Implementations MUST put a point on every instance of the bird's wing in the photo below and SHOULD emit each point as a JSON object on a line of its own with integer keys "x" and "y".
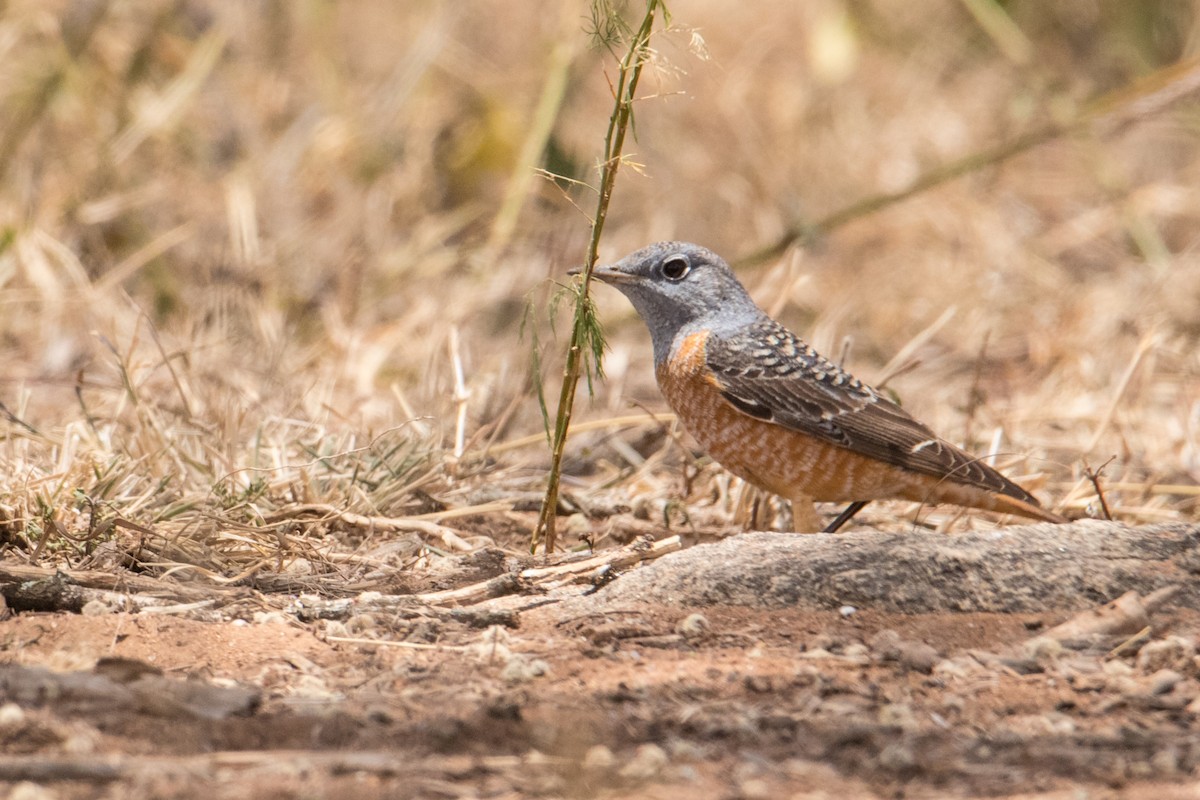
{"x": 769, "y": 373}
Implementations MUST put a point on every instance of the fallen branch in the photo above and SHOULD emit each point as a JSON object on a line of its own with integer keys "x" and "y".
{"x": 451, "y": 538}
{"x": 27, "y": 588}
{"x": 571, "y": 570}
{"x": 1128, "y": 614}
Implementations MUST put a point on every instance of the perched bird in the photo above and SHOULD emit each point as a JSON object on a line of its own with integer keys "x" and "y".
{"x": 774, "y": 412}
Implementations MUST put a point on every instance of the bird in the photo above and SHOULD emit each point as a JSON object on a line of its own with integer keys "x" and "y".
{"x": 773, "y": 411}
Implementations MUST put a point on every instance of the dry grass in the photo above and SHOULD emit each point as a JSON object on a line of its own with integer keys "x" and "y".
{"x": 236, "y": 240}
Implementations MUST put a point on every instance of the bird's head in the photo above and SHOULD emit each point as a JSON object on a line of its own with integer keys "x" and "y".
{"x": 680, "y": 288}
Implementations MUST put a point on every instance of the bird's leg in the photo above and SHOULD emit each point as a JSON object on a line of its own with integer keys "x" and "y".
{"x": 804, "y": 515}
{"x": 845, "y": 516}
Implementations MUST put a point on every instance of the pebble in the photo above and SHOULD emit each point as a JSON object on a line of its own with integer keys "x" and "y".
{"x": 1044, "y": 648}
{"x": 95, "y": 608}
{"x": 11, "y": 715}
{"x": 886, "y": 644}
{"x": 1172, "y": 652}
{"x": 898, "y": 757}
{"x": 856, "y": 650}
{"x": 25, "y": 790}
{"x": 899, "y": 715}
{"x": 1165, "y": 762}
{"x": 647, "y": 762}
{"x": 693, "y": 626}
{"x": 1164, "y": 681}
{"x": 599, "y": 758}
{"x": 755, "y": 789}
{"x": 918, "y": 656}
{"x": 521, "y": 669}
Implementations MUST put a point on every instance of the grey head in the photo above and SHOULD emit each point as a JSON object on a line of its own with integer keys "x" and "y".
{"x": 680, "y": 288}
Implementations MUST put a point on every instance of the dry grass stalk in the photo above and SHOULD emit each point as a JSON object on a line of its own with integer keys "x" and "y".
{"x": 586, "y": 339}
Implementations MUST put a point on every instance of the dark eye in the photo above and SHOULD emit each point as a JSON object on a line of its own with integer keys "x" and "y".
{"x": 676, "y": 268}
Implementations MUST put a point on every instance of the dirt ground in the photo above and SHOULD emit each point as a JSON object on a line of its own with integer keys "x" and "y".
{"x": 579, "y": 692}
{"x": 281, "y": 284}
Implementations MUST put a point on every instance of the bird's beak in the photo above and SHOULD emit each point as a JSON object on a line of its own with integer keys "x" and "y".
{"x": 610, "y": 274}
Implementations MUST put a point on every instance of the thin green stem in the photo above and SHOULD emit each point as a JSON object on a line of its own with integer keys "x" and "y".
{"x": 584, "y": 329}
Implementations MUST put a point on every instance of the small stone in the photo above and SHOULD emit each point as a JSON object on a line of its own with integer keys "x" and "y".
{"x": 1123, "y": 684}
{"x": 298, "y": 567}
{"x": 847, "y": 611}
{"x": 897, "y": 757}
{"x": 1165, "y": 762}
{"x": 755, "y": 789}
{"x": 856, "y": 650}
{"x": 956, "y": 669}
{"x": 521, "y": 669}
{"x": 26, "y": 790}
{"x": 759, "y": 684}
{"x": 599, "y": 758}
{"x": 1088, "y": 682}
{"x": 80, "y": 744}
{"x": 95, "y": 608}
{"x": 647, "y": 762}
{"x": 918, "y": 656}
{"x": 822, "y": 641}
{"x": 11, "y": 716}
{"x": 1044, "y": 648}
{"x": 1164, "y": 681}
{"x": 806, "y": 675}
{"x": 693, "y": 626}
{"x": 1173, "y": 652}
{"x": 576, "y": 528}
{"x": 899, "y": 715}
{"x": 886, "y": 644}
{"x": 1117, "y": 669}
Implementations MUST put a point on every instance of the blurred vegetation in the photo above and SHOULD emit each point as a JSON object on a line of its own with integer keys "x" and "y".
{"x": 235, "y": 233}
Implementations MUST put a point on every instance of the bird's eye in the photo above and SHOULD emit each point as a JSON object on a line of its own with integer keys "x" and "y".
{"x": 676, "y": 268}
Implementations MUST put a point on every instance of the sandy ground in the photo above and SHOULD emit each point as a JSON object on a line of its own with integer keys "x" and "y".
{"x": 584, "y": 693}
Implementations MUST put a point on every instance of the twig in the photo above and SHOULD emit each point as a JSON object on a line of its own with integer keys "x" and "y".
{"x": 15, "y": 420}
{"x": 975, "y": 395}
{"x": 1147, "y": 344}
{"x": 585, "y": 334}
{"x": 461, "y": 395}
{"x": 1094, "y": 477}
{"x": 1129, "y": 613}
{"x": 571, "y": 569}
{"x": 899, "y": 363}
{"x": 629, "y": 420}
{"x": 450, "y": 537}
{"x": 1146, "y": 96}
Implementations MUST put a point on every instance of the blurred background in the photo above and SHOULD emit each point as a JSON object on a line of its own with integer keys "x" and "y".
{"x": 277, "y": 251}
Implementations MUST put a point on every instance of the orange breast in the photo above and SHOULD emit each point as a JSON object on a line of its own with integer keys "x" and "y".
{"x": 781, "y": 460}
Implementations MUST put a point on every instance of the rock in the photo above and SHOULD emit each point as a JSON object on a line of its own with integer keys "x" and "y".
{"x": 1029, "y": 568}
{"x": 1173, "y": 652}
{"x": 1164, "y": 681}
{"x": 599, "y": 758}
{"x": 693, "y": 627}
{"x": 646, "y": 763}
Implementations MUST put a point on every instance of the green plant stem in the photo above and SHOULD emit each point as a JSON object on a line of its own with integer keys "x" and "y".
{"x": 614, "y": 141}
